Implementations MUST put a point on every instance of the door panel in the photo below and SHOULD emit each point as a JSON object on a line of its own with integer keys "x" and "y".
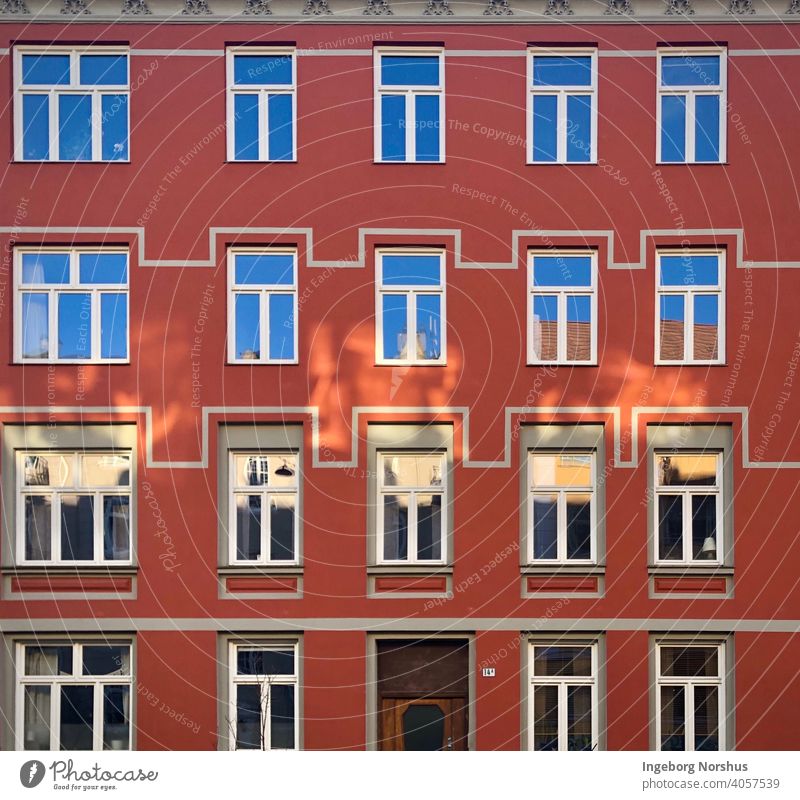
{"x": 430, "y": 723}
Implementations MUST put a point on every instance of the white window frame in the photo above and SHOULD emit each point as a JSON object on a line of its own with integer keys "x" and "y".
{"x": 263, "y": 291}
{"x": 688, "y": 293}
{"x": 76, "y": 488}
{"x": 690, "y": 93}
{"x": 561, "y": 92}
{"x": 562, "y": 292}
{"x": 238, "y": 680}
{"x": 74, "y": 87}
{"x": 689, "y": 684}
{"x": 410, "y": 92}
{"x": 265, "y": 492}
{"x": 53, "y": 290}
{"x": 563, "y": 682}
{"x": 411, "y": 292}
{"x": 55, "y": 682}
{"x": 412, "y": 493}
{"x": 687, "y": 492}
{"x": 561, "y": 513}
{"x": 263, "y": 91}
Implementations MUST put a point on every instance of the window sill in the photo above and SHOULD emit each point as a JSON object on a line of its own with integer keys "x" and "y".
{"x": 410, "y": 569}
{"x": 69, "y": 569}
{"x": 562, "y": 580}
{"x": 563, "y": 569}
{"x": 260, "y": 582}
{"x": 711, "y": 582}
{"x": 260, "y": 569}
{"x": 59, "y": 581}
{"x": 690, "y": 570}
{"x": 409, "y": 580}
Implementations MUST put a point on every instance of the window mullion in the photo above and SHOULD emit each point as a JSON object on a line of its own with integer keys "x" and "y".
{"x": 561, "y": 328}
{"x": 411, "y": 555}
{"x": 55, "y": 526}
{"x": 411, "y": 120}
{"x": 97, "y": 126}
{"x": 96, "y": 326}
{"x": 263, "y": 313}
{"x": 263, "y": 117}
{"x": 689, "y": 715}
{"x": 561, "y": 127}
{"x": 411, "y": 327}
{"x": 52, "y": 322}
{"x": 52, "y": 120}
{"x": 691, "y": 127}
{"x": 266, "y": 526}
{"x": 687, "y": 526}
{"x": 561, "y": 529}
{"x": 688, "y": 339}
{"x": 99, "y": 550}
{"x": 562, "y": 715}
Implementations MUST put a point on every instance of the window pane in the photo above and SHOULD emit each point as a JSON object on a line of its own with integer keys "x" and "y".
{"x": 545, "y": 526}
{"x": 706, "y": 718}
{"x": 281, "y": 717}
{"x": 77, "y": 527}
{"x": 264, "y": 661}
{"x": 695, "y": 469}
{"x": 248, "y": 326}
{"x": 113, "y": 325}
{"x": 579, "y": 526}
{"x": 562, "y": 661}
{"x": 281, "y": 326}
{"x": 704, "y": 526}
{"x": 282, "y": 520}
{"x": 281, "y": 136}
{"x": 263, "y": 470}
{"x": 429, "y": 527}
{"x": 395, "y": 527}
{"x": 106, "y": 469}
{"x": 262, "y": 69}
{"x": 706, "y": 327}
{"x": 673, "y": 128}
{"x": 248, "y": 527}
{"x": 35, "y": 127}
{"x": 690, "y": 662}
{"x": 429, "y": 326}
{"x": 75, "y": 127}
{"x": 103, "y": 268}
{"x": 37, "y": 718}
{"x": 116, "y": 528}
{"x": 706, "y": 110}
{"x": 264, "y": 269}
{"x": 410, "y": 70}
{"x": 689, "y": 269}
{"x": 673, "y": 718}
{"x": 411, "y": 270}
{"x": 45, "y": 268}
{"x": 579, "y": 127}
{"x": 393, "y": 127}
{"x": 35, "y": 325}
{"x": 114, "y": 145}
{"x": 248, "y": 718}
{"x": 395, "y": 326}
{"x": 106, "y": 659}
{"x": 579, "y": 328}
{"x": 426, "y": 115}
{"x": 562, "y": 70}
{"x": 545, "y": 717}
{"x": 74, "y": 325}
{"x": 690, "y": 70}
{"x": 51, "y": 660}
{"x": 37, "y": 528}
{"x": 545, "y": 328}
{"x": 670, "y": 527}
{"x": 672, "y": 325}
{"x": 245, "y": 127}
{"x": 50, "y": 470}
{"x": 562, "y": 271}
{"x": 116, "y": 717}
{"x": 104, "y": 70}
{"x": 579, "y": 718}
{"x": 545, "y": 127}
{"x": 77, "y": 717}
{"x": 45, "y": 70}
{"x": 412, "y": 471}
{"x": 562, "y": 470}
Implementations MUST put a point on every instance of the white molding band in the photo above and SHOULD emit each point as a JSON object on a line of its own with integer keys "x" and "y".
{"x": 402, "y": 412}
{"x": 452, "y": 233}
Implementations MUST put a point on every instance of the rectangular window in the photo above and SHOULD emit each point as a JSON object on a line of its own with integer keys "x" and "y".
{"x": 410, "y": 504}
{"x": 262, "y": 306}
{"x": 690, "y": 310}
{"x": 74, "y": 507}
{"x": 692, "y": 114}
{"x": 264, "y": 508}
{"x": 71, "y": 306}
{"x": 409, "y": 105}
{"x": 71, "y": 104}
{"x": 688, "y": 507}
{"x": 262, "y": 104}
{"x": 263, "y": 696}
{"x": 562, "y": 106}
{"x": 74, "y": 696}
{"x": 562, "y": 308}
{"x": 691, "y": 699}
{"x": 563, "y": 699}
{"x": 411, "y": 300}
{"x": 561, "y": 507}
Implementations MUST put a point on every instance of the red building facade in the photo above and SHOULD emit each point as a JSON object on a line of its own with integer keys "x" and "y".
{"x": 239, "y": 509}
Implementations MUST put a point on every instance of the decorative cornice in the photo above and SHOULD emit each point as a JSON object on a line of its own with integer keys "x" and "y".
{"x": 679, "y": 8}
{"x": 74, "y": 7}
{"x": 441, "y": 8}
{"x": 741, "y": 7}
{"x": 316, "y": 8}
{"x": 378, "y": 8}
{"x": 257, "y": 8}
{"x": 794, "y": 8}
{"x": 135, "y": 8}
{"x": 620, "y": 7}
{"x": 558, "y": 8}
{"x": 497, "y": 8}
{"x": 13, "y": 7}
{"x": 196, "y": 8}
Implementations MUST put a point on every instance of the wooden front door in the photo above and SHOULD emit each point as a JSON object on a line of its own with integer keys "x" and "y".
{"x": 428, "y": 723}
